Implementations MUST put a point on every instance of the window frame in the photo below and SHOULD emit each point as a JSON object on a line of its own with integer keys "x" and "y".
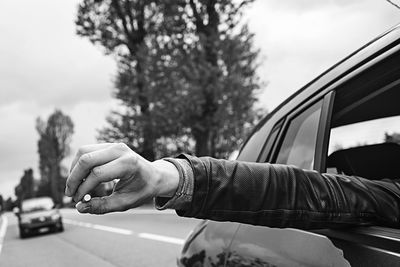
{"x": 383, "y": 240}
{"x": 323, "y": 133}
{"x": 286, "y": 124}
{"x": 265, "y": 155}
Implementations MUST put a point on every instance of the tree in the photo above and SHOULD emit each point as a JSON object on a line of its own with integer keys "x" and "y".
{"x": 186, "y": 73}
{"x": 125, "y": 29}
{"x": 53, "y": 147}
{"x": 221, "y": 72}
{"x": 2, "y": 206}
{"x": 9, "y": 204}
{"x": 26, "y": 187}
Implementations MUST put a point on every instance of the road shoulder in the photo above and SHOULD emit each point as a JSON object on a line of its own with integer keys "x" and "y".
{"x": 3, "y": 229}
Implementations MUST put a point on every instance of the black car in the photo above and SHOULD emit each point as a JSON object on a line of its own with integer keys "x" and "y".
{"x": 37, "y": 214}
{"x": 347, "y": 121}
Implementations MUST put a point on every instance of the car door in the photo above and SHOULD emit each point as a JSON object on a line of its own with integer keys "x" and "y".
{"x": 264, "y": 246}
{"x": 368, "y": 95}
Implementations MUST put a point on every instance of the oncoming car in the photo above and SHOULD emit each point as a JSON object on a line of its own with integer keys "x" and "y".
{"x": 38, "y": 213}
{"x": 346, "y": 121}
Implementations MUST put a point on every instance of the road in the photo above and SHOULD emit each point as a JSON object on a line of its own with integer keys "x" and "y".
{"x": 142, "y": 237}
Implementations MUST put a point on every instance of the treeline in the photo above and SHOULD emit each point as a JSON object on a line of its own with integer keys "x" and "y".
{"x": 53, "y": 146}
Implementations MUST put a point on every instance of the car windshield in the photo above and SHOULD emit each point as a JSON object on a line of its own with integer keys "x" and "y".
{"x": 39, "y": 204}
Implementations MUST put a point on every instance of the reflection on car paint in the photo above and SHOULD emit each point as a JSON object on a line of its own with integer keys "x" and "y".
{"x": 215, "y": 236}
{"x": 283, "y": 247}
{"x": 230, "y": 259}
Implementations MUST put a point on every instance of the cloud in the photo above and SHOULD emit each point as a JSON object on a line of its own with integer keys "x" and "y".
{"x": 301, "y": 39}
{"x": 43, "y": 59}
{"x": 305, "y": 6}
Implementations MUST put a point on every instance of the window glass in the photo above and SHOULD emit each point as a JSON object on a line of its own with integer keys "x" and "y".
{"x": 268, "y": 146}
{"x": 298, "y": 147}
{"x": 365, "y": 133}
{"x": 37, "y": 204}
{"x": 253, "y": 146}
{"x": 369, "y": 149}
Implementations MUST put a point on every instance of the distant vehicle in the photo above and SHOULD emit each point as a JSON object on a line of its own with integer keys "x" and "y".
{"x": 345, "y": 121}
{"x": 37, "y": 214}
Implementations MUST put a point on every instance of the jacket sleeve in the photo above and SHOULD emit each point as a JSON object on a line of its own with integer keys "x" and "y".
{"x": 285, "y": 196}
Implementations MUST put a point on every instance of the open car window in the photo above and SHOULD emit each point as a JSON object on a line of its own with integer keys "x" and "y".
{"x": 365, "y": 124}
{"x": 366, "y": 139}
{"x": 369, "y": 149}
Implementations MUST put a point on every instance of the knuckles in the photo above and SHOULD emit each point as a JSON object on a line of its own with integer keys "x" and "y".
{"x": 121, "y": 147}
{"x": 85, "y": 160}
{"x": 81, "y": 151}
{"x": 129, "y": 164}
{"x": 97, "y": 172}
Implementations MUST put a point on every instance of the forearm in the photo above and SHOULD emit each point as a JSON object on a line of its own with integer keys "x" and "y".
{"x": 283, "y": 196}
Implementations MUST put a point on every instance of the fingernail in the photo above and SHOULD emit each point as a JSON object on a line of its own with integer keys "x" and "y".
{"x": 82, "y": 207}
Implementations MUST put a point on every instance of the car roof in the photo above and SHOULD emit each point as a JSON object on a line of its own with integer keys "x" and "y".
{"x": 372, "y": 49}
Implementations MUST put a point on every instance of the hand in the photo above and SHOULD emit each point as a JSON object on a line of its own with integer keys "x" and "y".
{"x": 139, "y": 179}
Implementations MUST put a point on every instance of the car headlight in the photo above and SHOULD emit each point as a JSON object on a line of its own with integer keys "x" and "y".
{"x": 25, "y": 220}
{"x": 55, "y": 216}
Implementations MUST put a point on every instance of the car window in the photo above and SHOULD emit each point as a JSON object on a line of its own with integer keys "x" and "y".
{"x": 365, "y": 133}
{"x": 252, "y": 148}
{"x": 266, "y": 153}
{"x": 298, "y": 147}
{"x": 365, "y": 128}
{"x": 369, "y": 149}
{"x": 37, "y": 204}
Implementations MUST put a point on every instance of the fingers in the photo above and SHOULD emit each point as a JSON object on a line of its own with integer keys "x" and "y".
{"x": 87, "y": 149}
{"x": 100, "y": 174}
{"x": 85, "y": 164}
{"x": 102, "y": 205}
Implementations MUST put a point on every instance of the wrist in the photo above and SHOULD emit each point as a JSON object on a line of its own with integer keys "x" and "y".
{"x": 167, "y": 177}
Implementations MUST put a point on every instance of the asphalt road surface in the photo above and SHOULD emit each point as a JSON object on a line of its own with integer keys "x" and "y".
{"x": 142, "y": 237}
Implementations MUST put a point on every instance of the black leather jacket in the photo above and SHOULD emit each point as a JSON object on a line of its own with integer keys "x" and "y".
{"x": 285, "y": 196}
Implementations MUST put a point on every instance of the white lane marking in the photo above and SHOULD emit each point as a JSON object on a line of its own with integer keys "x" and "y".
{"x": 100, "y": 227}
{"x": 3, "y": 230}
{"x": 113, "y": 229}
{"x": 162, "y": 238}
{"x": 152, "y": 212}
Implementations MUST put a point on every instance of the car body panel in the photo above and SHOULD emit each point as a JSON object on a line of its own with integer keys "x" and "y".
{"x": 360, "y": 248}
{"x": 208, "y": 244}
{"x": 41, "y": 219}
{"x": 282, "y": 247}
{"x": 263, "y": 246}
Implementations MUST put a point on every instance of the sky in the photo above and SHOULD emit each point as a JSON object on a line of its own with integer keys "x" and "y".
{"x": 44, "y": 65}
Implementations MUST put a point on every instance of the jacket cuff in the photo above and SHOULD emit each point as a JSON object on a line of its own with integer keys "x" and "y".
{"x": 183, "y": 195}
{"x": 200, "y": 185}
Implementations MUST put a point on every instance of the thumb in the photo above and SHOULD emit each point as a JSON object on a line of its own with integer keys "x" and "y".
{"x": 99, "y": 205}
